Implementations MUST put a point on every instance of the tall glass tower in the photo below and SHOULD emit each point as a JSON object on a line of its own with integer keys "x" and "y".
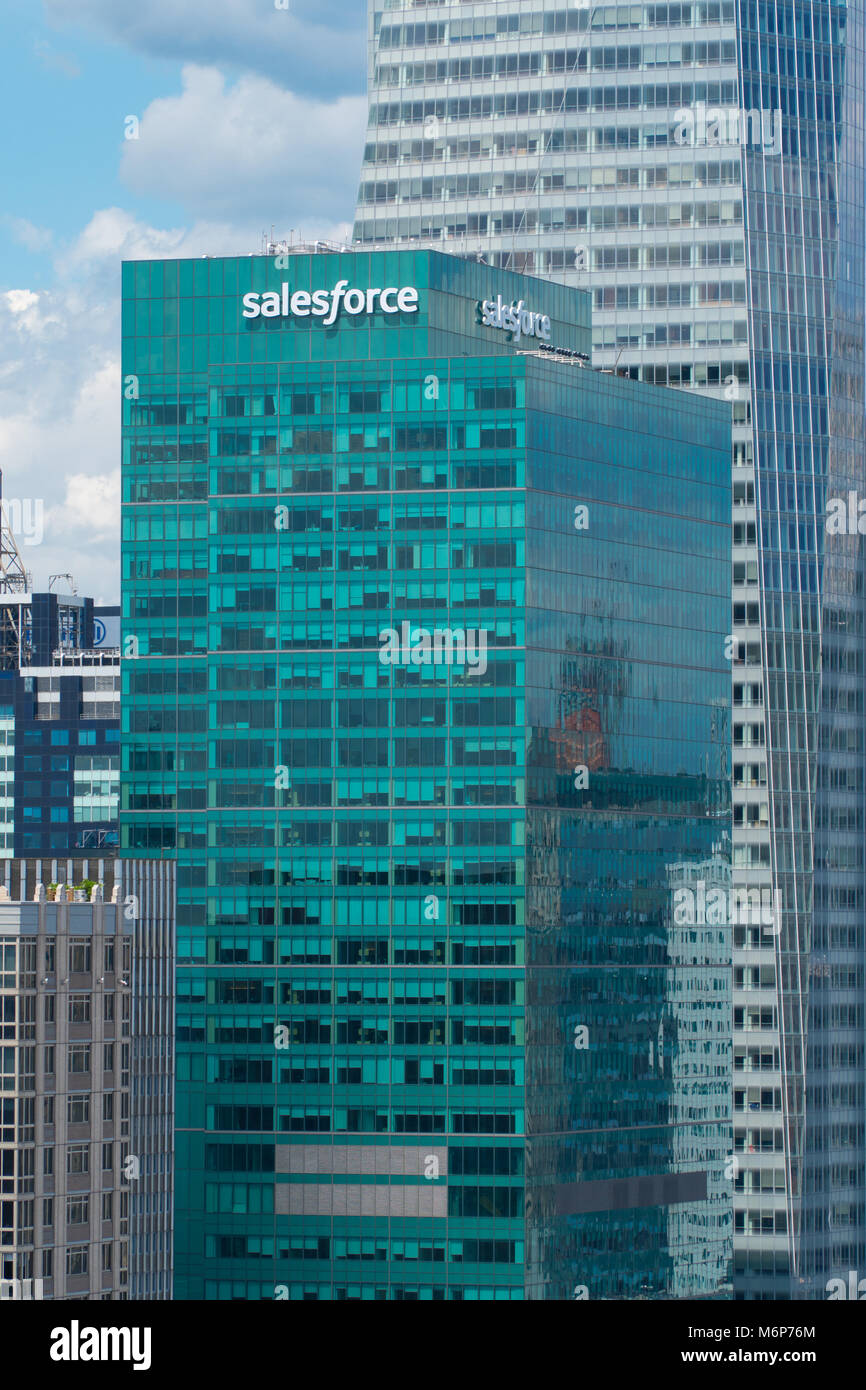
{"x": 425, "y": 692}
{"x": 699, "y": 168}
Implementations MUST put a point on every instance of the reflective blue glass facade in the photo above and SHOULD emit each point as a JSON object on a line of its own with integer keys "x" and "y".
{"x": 425, "y": 691}
{"x": 59, "y": 729}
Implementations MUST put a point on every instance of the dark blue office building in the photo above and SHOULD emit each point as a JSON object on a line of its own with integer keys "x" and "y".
{"x": 59, "y": 728}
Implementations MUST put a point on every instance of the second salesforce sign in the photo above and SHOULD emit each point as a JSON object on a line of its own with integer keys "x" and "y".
{"x": 514, "y": 319}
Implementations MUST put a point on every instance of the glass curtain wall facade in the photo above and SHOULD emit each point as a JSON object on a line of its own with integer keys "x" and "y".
{"x": 60, "y": 704}
{"x": 699, "y": 169}
{"x": 425, "y": 694}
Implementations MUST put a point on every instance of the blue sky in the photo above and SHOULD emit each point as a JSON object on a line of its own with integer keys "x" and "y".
{"x": 249, "y": 116}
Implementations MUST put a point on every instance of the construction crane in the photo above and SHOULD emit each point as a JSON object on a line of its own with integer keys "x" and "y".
{"x": 14, "y": 579}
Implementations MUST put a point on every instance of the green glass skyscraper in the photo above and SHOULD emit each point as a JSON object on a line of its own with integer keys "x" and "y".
{"x": 426, "y": 691}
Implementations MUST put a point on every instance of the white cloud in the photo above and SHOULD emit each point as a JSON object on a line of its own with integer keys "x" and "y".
{"x": 113, "y": 235}
{"x": 313, "y": 46}
{"x": 60, "y": 389}
{"x": 54, "y": 61}
{"x": 237, "y": 158}
{"x": 59, "y": 412}
{"x": 91, "y": 505}
{"x": 20, "y": 301}
{"x": 27, "y": 233}
{"x": 278, "y": 157}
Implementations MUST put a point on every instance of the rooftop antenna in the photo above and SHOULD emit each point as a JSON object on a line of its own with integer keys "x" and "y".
{"x": 14, "y": 579}
{"x": 72, "y": 587}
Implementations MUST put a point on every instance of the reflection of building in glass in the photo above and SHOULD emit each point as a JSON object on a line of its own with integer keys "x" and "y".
{"x": 695, "y": 1043}
{"x": 628, "y": 1020}
{"x": 579, "y": 737}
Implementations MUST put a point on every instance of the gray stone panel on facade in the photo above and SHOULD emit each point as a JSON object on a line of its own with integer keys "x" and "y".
{"x": 404, "y": 1161}
{"x": 352, "y": 1199}
{"x": 660, "y": 1190}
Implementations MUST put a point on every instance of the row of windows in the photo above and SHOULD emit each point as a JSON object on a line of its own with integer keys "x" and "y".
{"x": 318, "y": 475}
{"x": 655, "y": 335}
{"x": 403, "y": 992}
{"x": 401, "y": 950}
{"x": 78, "y": 1108}
{"x": 78, "y": 1158}
{"x": 678, "y": 172}
{"x": 58, "y": 738}
{"x": 381, "y": 436}
{"x": 415, "y": 514}
{"x": 558, "y": 22}
{"x": 32, "y": 844}
{"x": 324, "y": 396}
{"x": 78, "y": 1208}
{"x": 701, "y": 294}
{"x": 313, "y": 557}
{"x": 80, "y": 955}
{"x": 765, "y": 95}
{"x": 501, "y": 1201}
{"x": 81, "y": 1056}
{"x": 622, "y": 216}
{"x": 323, "y": 1248}
{"x": 79, "y": 1009}
{"x": 650, "y": 256}
{"x": 644, "y": 97}
{"x": 249, "y": 1290}
{"x": 78, "y": 1261}
{"x": 403, "y": 1071}
{"x": 317, "y": 674}
{"x": 462, "y": 1160}
{"x": 572, "y": 60}
{"x": 761, "y": 57}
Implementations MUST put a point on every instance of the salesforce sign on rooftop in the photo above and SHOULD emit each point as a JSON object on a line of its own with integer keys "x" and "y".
{"x": 328, "y": 304}
{"x": 514, "y": 319}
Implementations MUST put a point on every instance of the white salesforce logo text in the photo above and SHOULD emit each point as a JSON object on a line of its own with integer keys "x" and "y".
{"x": 327, "y": 304}
{"x": 441, "y": 646}
{"x": 514, "y": 318}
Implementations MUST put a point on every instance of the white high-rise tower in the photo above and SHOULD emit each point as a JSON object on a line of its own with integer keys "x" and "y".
{"x": 699, "y": 167}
